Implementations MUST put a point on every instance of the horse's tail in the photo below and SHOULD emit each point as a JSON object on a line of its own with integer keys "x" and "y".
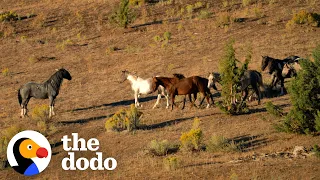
{"x": 19, "y": 97}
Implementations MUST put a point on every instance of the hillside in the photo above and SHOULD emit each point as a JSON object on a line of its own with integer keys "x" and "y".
{"x": 77, "y": 35}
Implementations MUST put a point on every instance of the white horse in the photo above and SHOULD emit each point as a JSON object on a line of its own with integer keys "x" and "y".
{"x": 144, "y": 86}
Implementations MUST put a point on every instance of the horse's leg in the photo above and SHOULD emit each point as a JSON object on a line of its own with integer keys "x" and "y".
{"x": 172, "y": 101}
{"x": 50, "y": 109}
{"x": 25, "y": 109}
{"x": 190, "y": 98}
{"x": 208, "y": 101}
{"x": 274, "y": 79}
{"x": 158, "y": 100}
{"x": 245, "y": 96}
{"x": 184, "y": 102}
{"x": 53, "y": 102}
{"x": 166, "y": 95}
{"x": 136, "y": 102}
{"x": 256, "y": 89}
{"x": 195, "y": 98}
{"x": 282, "y": 85}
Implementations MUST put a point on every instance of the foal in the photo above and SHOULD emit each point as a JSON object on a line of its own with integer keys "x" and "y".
{"x": 188, "y": 86}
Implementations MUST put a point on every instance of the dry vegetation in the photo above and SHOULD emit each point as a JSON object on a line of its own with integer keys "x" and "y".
{"x": 185, "y": 36}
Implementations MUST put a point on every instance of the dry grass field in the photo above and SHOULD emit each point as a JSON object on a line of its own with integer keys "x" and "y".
{"x": 76, "y": 35}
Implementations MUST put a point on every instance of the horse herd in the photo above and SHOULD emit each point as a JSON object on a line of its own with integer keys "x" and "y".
{"x": 169, "y": 86}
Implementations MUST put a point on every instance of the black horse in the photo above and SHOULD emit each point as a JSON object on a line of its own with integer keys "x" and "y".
{"x": 275, "y": 67}
{"x": 48, "y": 89}
{"x": 253, "y": 78}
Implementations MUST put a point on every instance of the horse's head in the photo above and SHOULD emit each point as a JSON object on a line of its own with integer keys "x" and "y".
{"x": 65, "y": 74}
{"x": 124, "y": 75}
{"x": 267, "y": 62}
{"x": 264, "y": 62}
{"x": 211, "y": 81}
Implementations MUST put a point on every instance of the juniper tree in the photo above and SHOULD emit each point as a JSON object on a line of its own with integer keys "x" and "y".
{"x": 230, "y": 79}
{"x": 304, "y": 91}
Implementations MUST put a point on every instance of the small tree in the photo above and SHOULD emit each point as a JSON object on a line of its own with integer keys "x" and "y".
{"x": 230, "y": 80}
{"x": 123, "y": 15}
{"x": 304, "y": 92}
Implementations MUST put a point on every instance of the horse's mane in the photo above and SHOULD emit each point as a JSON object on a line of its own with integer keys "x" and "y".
{"x": 179, "y": 76}
{"x": 55, "y": 80}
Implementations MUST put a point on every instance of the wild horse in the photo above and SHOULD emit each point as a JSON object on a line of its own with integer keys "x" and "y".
{"x": 48, "y": 89}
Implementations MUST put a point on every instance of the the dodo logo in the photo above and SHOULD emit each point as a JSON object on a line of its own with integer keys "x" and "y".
{"x": 29, "y": 152}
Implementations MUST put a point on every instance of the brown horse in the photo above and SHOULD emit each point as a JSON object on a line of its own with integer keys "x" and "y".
{"x": 188, "y": 86}
{"x": 163, "y": 84}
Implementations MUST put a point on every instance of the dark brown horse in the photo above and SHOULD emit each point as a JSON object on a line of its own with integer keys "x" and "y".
{"x": 275, "y": 67}
{"x": 188, "y": 86}
{"x": 163, "y": 84}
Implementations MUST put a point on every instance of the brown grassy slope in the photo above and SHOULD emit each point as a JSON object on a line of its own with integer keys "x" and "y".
{"x": 194, "y": 49}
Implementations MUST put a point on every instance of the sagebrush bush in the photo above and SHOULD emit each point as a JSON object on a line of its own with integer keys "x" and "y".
{"x": 273, "y": 109}
{"x": 204, "y": 14}
{"x": 5, "y": 72}
{"x": 124, "y": 120}
{"x": 5, "y": 136}
{"x": 191, "y": 140}
{"x": 164, "y": 38}
{"x": 40, "y": 114}
{"x": 136, "y": 2}
{"x": 304, "y": 17}
{"x": 246, "y": 2}
{"x": 304, "y": 93}
{"x": 171, "y": 163}
{"x": 8, "y": 16}
{"x": 223, "y": 19}
{"x": 161, "y": 148}
{"x": 219, "y": 143}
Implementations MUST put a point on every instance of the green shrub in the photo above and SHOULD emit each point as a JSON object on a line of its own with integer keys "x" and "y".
{"x": 124, "y": 120}
{"x": 191, "y": 140}
{"x": 304, "y": 92}
{"x": 221, "y": 144}
{"x": 161, "y": 148}
{"x": 123, "y": 15}
{"x": 273, "y": 109}
{"x": 246, "y": 2}
{"x": 316, "y": 150}
{"x": 204, "y": 14}
{"x": 171, "y": 163}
